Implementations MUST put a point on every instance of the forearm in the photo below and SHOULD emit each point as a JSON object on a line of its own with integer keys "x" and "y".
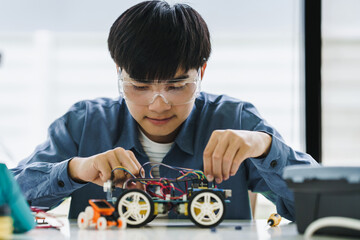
{"x": 75, "y": 167}
{"x": 264, "y": 143}
{"x": 45, "y": 184}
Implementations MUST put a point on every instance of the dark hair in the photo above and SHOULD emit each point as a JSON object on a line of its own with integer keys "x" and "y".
{"x": 152, "y": 40}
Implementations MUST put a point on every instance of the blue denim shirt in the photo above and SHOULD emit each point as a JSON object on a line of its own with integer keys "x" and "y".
{"x": 92, "y": 127}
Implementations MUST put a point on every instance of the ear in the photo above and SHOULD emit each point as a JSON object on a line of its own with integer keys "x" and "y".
{"x": 203, "y": 70}
{"x": 117, "y": 69}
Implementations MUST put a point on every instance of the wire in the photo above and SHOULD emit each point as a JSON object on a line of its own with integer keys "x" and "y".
{"x": 124, "y": 169}
{"x": 331, "y": 222}
{"x": 157, "y": 164}
{"x": 181, "y": 170}
{"x": 164, "y": 185}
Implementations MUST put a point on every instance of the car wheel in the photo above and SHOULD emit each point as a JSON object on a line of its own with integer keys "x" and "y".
{"x": 101, "y": 223}
{"x": 82, "y": 221}
{"x": 206, "y": 208}
{"x": 89, "y": 211}
{"x": 136, "y": 206}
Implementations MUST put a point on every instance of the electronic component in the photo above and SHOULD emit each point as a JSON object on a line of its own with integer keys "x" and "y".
{"x": 188, "y": 194}
{"x": 200, "y": 183}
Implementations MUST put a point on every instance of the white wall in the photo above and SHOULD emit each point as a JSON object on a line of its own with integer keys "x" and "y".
{"x": 55, "y": 53}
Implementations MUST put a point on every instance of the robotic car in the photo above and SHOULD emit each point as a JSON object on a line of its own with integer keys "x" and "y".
{"x": 189, "y": 194}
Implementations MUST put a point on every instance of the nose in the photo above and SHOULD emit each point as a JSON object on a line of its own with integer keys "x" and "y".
{"x": 159, "y": 103}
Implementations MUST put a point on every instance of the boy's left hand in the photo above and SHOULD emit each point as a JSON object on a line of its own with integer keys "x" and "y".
{"x": 227, "y": 149}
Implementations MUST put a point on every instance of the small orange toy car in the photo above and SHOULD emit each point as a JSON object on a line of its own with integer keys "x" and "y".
{"x": 100, "y": 214}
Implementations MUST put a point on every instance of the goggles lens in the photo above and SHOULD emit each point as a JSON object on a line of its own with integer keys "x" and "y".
{"x": 174, "y": 92}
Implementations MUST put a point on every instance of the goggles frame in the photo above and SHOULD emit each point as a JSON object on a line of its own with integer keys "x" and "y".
{"x": 196, "y": 80}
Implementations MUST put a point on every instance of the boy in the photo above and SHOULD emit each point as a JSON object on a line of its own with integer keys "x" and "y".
{"x": 160, "y": 52}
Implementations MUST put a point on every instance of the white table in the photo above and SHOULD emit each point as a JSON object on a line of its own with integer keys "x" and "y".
{"x": 161, "y": 229}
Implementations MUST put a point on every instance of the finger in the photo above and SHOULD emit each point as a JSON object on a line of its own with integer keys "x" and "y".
{"x": 217, "y": 159}
{"x": 104, "y": 169}
{"x": 120, "y": 183}
{"x": 138, "y": 165}
{"x": 132, "y": 185}
{"x": 125, "y": 160}
{"x": 207, "y": 156}
{"x": 239, "y": 158}
{"x": 132, "y": 156}
{"x": 118, "y": 174}
{"x": 228, "y": 159}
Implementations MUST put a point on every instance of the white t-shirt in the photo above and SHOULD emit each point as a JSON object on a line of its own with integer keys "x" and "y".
{"x": 155, "y": 151}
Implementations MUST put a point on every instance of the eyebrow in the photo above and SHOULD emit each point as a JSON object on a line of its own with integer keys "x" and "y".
{"x": 181, "y": 77}
{"x": 184, "y": 76}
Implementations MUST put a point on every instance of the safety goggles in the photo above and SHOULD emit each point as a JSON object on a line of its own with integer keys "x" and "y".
{"x": 173, "y": 92}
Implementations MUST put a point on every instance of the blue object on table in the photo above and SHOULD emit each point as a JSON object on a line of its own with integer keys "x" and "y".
{"x": 11, "y": 195}
{"x": 238, "y": 227}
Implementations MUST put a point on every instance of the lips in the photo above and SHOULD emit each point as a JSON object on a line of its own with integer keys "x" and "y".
{"x": 159, "y": 121}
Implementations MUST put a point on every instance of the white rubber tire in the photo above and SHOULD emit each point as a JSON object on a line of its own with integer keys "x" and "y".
{"x": 101, "y": 223}
{"x": 122, "y": 223}
{"x": 82, "y": 221}
{"x": 89, "y": 211}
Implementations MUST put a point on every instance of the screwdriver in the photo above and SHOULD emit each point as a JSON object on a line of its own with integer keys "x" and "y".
{"x": 274, "y": 220}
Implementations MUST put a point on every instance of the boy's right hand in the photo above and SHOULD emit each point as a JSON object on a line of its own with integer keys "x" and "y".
{"x": 97, "y": 169}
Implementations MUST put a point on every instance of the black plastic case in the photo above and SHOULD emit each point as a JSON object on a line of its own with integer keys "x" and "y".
{"x": 324, "y": 192}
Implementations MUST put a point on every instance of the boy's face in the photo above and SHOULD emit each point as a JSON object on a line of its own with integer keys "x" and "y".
{"x": 160, "y": 121}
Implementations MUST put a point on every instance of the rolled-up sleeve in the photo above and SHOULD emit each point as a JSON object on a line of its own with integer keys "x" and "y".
{"x": 265, "y": 174}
